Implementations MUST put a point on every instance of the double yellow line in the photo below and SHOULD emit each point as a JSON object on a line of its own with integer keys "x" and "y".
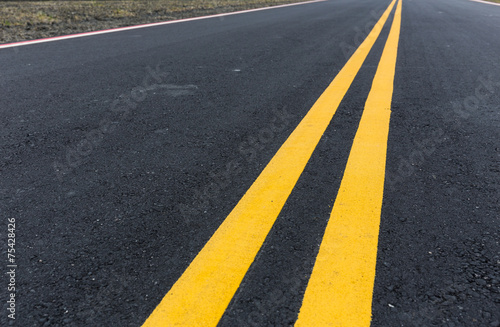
{"x": 340, "y": 288}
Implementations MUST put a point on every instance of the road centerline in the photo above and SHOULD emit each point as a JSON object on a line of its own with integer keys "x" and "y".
{"x": 201, "y": 295}
{"x": 339, "y": 292}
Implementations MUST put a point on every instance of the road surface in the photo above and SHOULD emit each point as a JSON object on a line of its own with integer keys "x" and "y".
{"x": 329, "y": 163}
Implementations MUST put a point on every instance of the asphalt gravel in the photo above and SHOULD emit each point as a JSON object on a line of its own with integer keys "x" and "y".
{"x": 122, "y": 153}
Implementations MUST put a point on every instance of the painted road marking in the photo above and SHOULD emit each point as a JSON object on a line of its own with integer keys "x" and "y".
{"x": 203, "y": 292}
{"x": 127, "y": 28}
{"x": 339, "y": 292}
{"x": 487, "y": 2}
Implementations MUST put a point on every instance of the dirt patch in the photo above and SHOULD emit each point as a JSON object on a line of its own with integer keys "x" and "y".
{"x": 27, "y": 20}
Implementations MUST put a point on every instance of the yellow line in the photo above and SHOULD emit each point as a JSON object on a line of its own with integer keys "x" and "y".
{"x": 203, "y": 292}
{"x": 339, "y": 292}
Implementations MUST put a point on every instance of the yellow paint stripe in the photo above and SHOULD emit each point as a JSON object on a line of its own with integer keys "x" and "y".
{"x": 203, "y": 292}
{"x": 339, "y": 292}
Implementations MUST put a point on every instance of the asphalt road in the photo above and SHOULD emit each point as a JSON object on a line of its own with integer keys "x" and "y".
{"x": 123, "y": 153}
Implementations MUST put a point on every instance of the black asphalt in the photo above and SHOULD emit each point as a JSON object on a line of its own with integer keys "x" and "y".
{"x": 122, "y": 153}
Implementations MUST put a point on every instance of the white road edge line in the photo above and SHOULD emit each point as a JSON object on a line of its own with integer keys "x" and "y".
{"x": 119, "y": 29}
{"x": 487, "y": 2}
